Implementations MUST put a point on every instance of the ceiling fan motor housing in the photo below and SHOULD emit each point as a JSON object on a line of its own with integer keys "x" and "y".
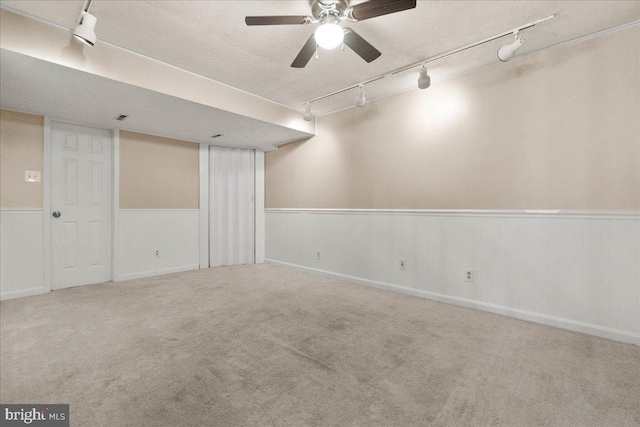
{"x": 323, "y": 8}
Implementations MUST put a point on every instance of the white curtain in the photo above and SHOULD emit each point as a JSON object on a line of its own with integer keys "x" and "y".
{"x": 231, "y": 206}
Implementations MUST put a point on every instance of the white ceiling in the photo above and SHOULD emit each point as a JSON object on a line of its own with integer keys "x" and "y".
{"x": 211, "y": 39}
{"x": 36, "y": 86}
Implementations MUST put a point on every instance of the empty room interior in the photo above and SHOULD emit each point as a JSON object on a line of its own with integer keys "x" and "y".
{"x": 319, "y": 213}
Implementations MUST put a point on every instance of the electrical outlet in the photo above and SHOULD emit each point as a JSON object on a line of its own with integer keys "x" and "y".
{"x": 318, "y": 257}
{"x": 156, "y": 253}
{"x": 469, "y": 275}
{"x": 32, "y": 176}
{"x": 403, "y": 264}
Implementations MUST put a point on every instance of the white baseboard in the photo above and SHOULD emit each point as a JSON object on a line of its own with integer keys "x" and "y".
{"x": 586, "y": 328}
{"x": 23, "y": 293}
{"x": 158, "y": 211}
{"x": 143, "y": 274}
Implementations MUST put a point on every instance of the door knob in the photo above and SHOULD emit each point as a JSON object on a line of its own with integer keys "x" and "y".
{"x": 56, "y": 214}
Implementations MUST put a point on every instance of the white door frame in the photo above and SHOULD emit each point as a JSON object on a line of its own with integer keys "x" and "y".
{"x": 46, "y": 200}
{"x": 259, "y": 216}
{"x": 203, "y": 162}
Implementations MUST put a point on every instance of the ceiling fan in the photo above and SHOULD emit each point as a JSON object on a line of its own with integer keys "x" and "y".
{"x": 329, "y": 13}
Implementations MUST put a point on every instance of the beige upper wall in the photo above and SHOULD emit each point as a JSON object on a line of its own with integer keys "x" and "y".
{"x": 558, "y": 129}
{"x": 158, "y": 173}
{"x": 155, "y": 172}
{"x": 21, "y": 149}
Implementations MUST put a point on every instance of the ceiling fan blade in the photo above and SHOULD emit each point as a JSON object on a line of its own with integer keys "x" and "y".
{"x": 360, "y": 45}
{"x": 373, "y": 8}
{"x": 276, "y": 20}
{"x": 305, "y": 54}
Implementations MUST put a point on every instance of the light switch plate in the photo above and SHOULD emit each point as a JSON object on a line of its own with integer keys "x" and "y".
{"x": 32, "y": 176}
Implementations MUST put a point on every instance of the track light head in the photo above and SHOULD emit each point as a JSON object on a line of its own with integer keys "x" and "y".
{"x": 307, "y": 113}
{"x": 425, "y": 80}
{"x": 508, "y": 51}
{"x": 361, "y": 98}
{"x": 85, "y": 31}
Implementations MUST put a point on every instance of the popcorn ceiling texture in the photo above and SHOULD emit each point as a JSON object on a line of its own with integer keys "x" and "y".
{"x": 211, "y": 39}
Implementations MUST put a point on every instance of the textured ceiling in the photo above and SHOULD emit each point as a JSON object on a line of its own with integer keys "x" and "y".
{"x": 41, "y": 87}
{"x": 211, "y": 39}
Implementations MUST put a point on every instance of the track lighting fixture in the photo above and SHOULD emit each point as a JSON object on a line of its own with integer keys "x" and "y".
{"x": 508, "y": 51}
{"x": 307, "y": 113}
{"x": 505, "y": 53}
{"x": 85, "y": 30}
{"x": 361, "y": 98}
{"x": 425, "y": 80}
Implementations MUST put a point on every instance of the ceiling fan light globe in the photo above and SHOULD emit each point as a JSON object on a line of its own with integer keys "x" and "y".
{"x": 329, "y": 35}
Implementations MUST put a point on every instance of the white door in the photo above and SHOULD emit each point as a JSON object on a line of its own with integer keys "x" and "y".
{"x": 231, "y": 206}
{"x": 80, "y": 205}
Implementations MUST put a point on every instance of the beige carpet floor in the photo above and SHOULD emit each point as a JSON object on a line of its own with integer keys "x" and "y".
{"x": 262, "y": 345}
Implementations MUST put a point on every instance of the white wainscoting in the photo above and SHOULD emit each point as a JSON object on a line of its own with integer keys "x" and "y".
{"x": 21, "y": 253}
{"x": 174, "y": 232}
{"x": 574, "y": 270}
